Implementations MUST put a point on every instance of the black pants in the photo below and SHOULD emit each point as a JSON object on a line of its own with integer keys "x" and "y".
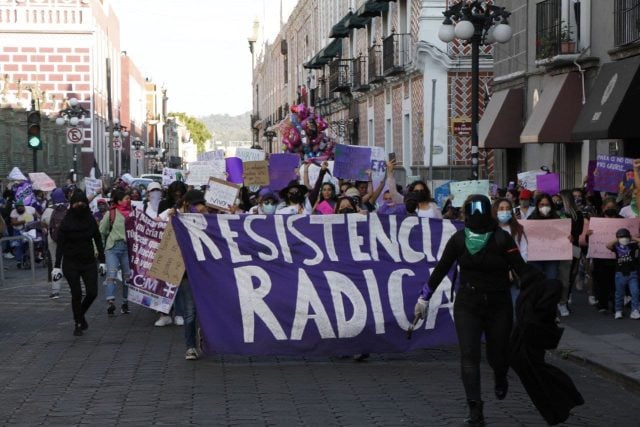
{"x": 476, "y": 312}
{"x": 89, "y": 275}
{"x": 604, "y": 272}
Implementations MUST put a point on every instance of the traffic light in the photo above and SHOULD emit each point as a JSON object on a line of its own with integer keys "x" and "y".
{"x": 33, "y": 130}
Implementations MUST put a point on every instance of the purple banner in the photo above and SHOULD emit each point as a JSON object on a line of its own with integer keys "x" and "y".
{"x": 282, "y": 169}
{"x": 24, "y": 192}
{"x": 234, "y": 169}
{"x": 352, "y": 162}
{"x": 610, "y": 172}
{"x": 590, "y": 175}
{"x": 548, "y": 183}
{"x": 143, "y": 238}
{"x": 314, "y": 285}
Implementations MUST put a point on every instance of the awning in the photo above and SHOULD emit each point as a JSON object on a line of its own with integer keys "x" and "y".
{"x": 555, "y": 114}
{"x": 501, "y": 123}
{"x": 611, "y": 111}
{"x": 372, "y": 8}
{"x": 355, "y": 21}
{"x": 349, "y": 21}
{"x": 325, "y": 55}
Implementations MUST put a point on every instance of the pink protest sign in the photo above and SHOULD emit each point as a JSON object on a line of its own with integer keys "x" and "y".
{"x": 324, "y": 208}
{"x": 548, "y": 239}
{"x": 603, "y": 231}
{"x": 548, "y": 183}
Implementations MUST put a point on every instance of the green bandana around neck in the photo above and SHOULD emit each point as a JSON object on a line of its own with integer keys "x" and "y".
{"x": 474, "y": 241}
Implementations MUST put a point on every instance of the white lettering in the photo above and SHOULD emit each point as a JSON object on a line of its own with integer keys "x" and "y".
{"x": 304, "y": 239}
{"x": 282, "y": 237}
{"x": 388, "y": 242}
{"x": 408, "y": 253}
{"x": 355, "y": 240}
{"x": 341, "y": 285}
{"x": 374, "y": 298}
{"x": 196, "y": 224}
{"x": 259, "y": 239}
{"x": 229, "y": 235}
{"x": 328, "y": 221}
{"x": 396, "y": 297}
{"x": 308, "y": 298}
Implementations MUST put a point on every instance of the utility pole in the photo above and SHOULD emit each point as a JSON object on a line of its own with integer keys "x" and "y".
{"x": 112, "y": 161}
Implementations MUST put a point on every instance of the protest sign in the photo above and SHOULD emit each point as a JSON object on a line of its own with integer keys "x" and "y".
{"x": 282, "y": 169}
{"x": 42, "y": 181}
{"x": 548, "y": 183}
{"x": 460, "y": 190}
{"x": 200, "y": 172}
{"x": 315, "y": 285}
{"x": 441, "y": 193}
{"x": 604, "y": 231}
{"x": 92, "y": 186}
{"x": 144, "y": 236}
{"x": 610, "y": 172}
{"x": 548, "y": 239}
{"x": 170, "y": 175}
{"x": 528, "y": 179}
{"x": 256, "y": 172}
{"x": 24, "y": 191}
{"x": 314, "y": 173}
{"x": 221, "y": 194}
{"x": 249, "y": 154}
{"x": 16, "y": 175}
{"x": 378, "y": 165}
{"x": 352, "y": 162}
{"x": 591, "y": 168}
{"x": 234, "y": 169}
{"x": 207, "y": 156}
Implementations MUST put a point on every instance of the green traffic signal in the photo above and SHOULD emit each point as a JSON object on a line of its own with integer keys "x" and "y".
{"x": 33, "y": 130}
{"x": 35, "y": 143}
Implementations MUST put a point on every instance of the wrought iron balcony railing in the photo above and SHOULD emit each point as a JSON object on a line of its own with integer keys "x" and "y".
{"x": 627, "y": 22}
{"x": 553, "y": 35}
{"x": 397, "y": 53}
{"x": 340, "y": 75}
{"x": 375, "y": 64}
{"x": 360, "y": 83}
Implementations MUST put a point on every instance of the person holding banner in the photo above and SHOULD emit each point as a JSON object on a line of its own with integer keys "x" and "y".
{"x": 604, "y": 269}
{"x": 486, "y": 254}
{"x": 294, "y": 197}
{"x": 626, "y": 249}
{"x": 267, "y": 204}
{"x": 546, "y": 209}
{"x": 569, "y": 269}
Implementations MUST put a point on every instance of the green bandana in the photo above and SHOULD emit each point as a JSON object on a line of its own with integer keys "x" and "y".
{"x": 634, "y": 205}
{"x": 475, "y": 242}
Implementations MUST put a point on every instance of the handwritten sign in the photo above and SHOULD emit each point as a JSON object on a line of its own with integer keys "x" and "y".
{"x": 528, "y": 179}
{"x": 221, "y": 194}
{"x": 42, "y": 181}
{"x": 460, "y": 190}
{"x": 256, "y": 172}
{"x": 249, "y": 154}
{"x": 378, "y": 165}
{"x": 604, "y": 231}
{"x": 282, "y": 169}
{"x": 168, "y": 264}
{"x": 548, "y": 239}
{"x": 170, "y": 175}
{"x": 548, "y": 183}
{"x": 200, "y": 172}
{"x": 92, "y": 186}
{"x": 352, "y": 162}
{"x": 610, "y": 172}
{"x": 207, "y": 156}
{"x": 314, "y": 173}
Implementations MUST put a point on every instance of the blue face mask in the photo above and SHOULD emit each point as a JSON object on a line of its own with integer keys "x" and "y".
{"x": 268, "y": 209}
{"x": 504, "y": 216}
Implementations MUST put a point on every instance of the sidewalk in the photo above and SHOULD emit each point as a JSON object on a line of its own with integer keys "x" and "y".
{"x": 609, "y": 346}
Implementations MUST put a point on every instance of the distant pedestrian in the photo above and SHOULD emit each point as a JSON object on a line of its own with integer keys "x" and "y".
{"x": 627, "y": 252}
{"x": 52, "y": 217}
{"x": 77, "y": 235}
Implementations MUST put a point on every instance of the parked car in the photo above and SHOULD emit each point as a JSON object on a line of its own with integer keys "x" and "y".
{"x": 141, "y": 183}
{"x": 154, "y": 176}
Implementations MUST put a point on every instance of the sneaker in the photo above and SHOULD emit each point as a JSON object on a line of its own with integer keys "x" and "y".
{"x": 592, "y": 300}
{"x": 164, "y": 320}
{"x": 618, "y": 315}
{"x": 635, "y": 315}
{"x": 78, "y": 330}
{"x": 124, "y": 308}
{"x": 178, "y": 320}
{"x": 111, "y": 308}
{"x": 564, "y": 311}
{"x": 361, "y": 357}
{"x": 54, "y": 295}
{"x": 8, "y": 255}
{"x": 192, "y": 354}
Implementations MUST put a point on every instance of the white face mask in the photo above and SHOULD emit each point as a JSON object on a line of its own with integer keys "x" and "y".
{"x": 155, "y": 196}
{"x": 545, "y": 210}
{"x": 624, "y": 241}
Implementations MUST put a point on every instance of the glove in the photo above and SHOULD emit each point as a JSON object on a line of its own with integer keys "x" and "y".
{"x": 420, "y": 310}
{"x": 56, "y": 274}
{"x": 102, "y": 269}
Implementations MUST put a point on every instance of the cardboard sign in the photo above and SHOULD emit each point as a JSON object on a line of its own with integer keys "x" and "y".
{"x": 208, "y": 156}
{"x": 249, "y": 154}
{"x": 610, "y": 171}
{"x": 92, "y": 186}
{"x": 352, "y": 162}
{"x": 528, "y": 179}
{"x": 548, "y": 183}
{"x": 200, "y": 172}
{"x": 548, "y": 239}
{"x": 41, "y": 181}
{"x": 256, "y": 173}
{"x": 604, "y": 231}
{"x": 462, "y": 189}
{"x": 170, "y": 175}
{"x": 168, "y": 264}
{"x": 221, "y": 194}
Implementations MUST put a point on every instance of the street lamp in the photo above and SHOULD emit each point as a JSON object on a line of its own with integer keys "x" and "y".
{"x": 479, "y": 23}
{"x": 117, "y": 136}
{"x": 137, "y": 154}
{"x": 73, "y": 116}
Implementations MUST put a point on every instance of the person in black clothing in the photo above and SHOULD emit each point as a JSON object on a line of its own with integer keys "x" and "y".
{"x": 604, "y": 269}
{"x": 76, "y": 237}
{"x": 175, "y": 192}
{"x": 486, "y": 254}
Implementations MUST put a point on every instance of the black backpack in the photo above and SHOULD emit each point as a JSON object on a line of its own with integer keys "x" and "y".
{"x": 58, "y": 214}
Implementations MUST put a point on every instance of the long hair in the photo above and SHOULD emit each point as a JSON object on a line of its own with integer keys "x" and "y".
{"x": 569, "y": 204}
{"x": 412, "y": 187}
{"x": 517, "y": 230}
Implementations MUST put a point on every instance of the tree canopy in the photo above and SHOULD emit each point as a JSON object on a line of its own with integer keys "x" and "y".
{"x": 199, "y": 132}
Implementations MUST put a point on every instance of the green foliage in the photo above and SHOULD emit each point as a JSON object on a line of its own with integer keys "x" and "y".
{"x": 229, "y": 128}
{"x": 199, "y": 132}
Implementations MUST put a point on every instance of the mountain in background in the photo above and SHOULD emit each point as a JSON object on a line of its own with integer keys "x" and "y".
{"x": 226, "y": 128}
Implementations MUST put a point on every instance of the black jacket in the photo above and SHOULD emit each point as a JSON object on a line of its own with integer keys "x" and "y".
{"x": 550, "y": 389}
{"x": 76, "y": 238}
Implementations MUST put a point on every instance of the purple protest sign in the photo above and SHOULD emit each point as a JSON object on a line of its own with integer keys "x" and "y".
{"x": 352, "y": 162}
{"x": 282, "y": 169}
{"x": 610, "y": 172}
{"x": 234, "y": 169}
{"x": 143, "y": 238}
{"x": 548, "y": 183}
{"x": 315, "y": 285}
{"x": 590, "y": 175}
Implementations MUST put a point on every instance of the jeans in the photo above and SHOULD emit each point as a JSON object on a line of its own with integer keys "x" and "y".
{"x": 18, "y": 246}
{"x": 476, "y": 312}
{"x": 186, "y": 305}
{"x": 549, "y": 268}
{"x": 621, "y": 282}
{"x": 89, "y": 275}
{"x": 117, "y": 258}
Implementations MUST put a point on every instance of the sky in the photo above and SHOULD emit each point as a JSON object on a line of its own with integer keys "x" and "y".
{"x": 197, "y": 49}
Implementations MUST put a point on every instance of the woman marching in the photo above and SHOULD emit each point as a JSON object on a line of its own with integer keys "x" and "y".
{"x": 77, "y": 235}
{"x": 486, "y": 253}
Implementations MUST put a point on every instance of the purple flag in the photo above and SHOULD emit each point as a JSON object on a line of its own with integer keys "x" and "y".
{"x": 282, "y": 168}
{"x": 548, "y": 183}
{"x": 315, "y": 285}
{"x": 234, "y": 169}
{"x": 590, "y": 175}
{"x": 610, "y": 171}
{"x": 352, "y": 162}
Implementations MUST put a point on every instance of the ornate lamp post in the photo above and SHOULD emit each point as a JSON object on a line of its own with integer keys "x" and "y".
{"x": 479, "y": 23}
{"x": 73, "y": 116}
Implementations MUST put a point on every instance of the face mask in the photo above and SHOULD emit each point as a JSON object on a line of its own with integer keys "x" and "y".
{"x": 155, "y": 196}
{"x": 611, "y": 212}
{"x": 346, "y": 210}
{"x": 193, "y": 209}
{"x": 524, "y": 203}
{"x": 268, "y": 209}
{"x": 296, "y": 198}
{"x": 578, "y": 200}
{"x": 504, "y": 216}
{"x": 559, "y": 206}
{"x": 421, "y": 195}
{"x": 624, "y": 241}
{"x": 545, "y": 210}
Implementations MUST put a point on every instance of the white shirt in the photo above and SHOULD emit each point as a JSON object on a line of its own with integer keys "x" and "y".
{"x": 28, "y": 216}
{"x": 432, "y": 212}
{"x": 522, "y": 244}
{"x": 627, "y": 212}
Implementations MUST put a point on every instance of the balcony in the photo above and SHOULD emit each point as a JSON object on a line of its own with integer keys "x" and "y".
{"x": 360, "y": 83}
{"x": 553, "y": 35}
{"x": 396, "y": 54}
{"x": 340, "y": 75}
{"x": 375, "y": 64}
{"x": 626, "y": 22}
